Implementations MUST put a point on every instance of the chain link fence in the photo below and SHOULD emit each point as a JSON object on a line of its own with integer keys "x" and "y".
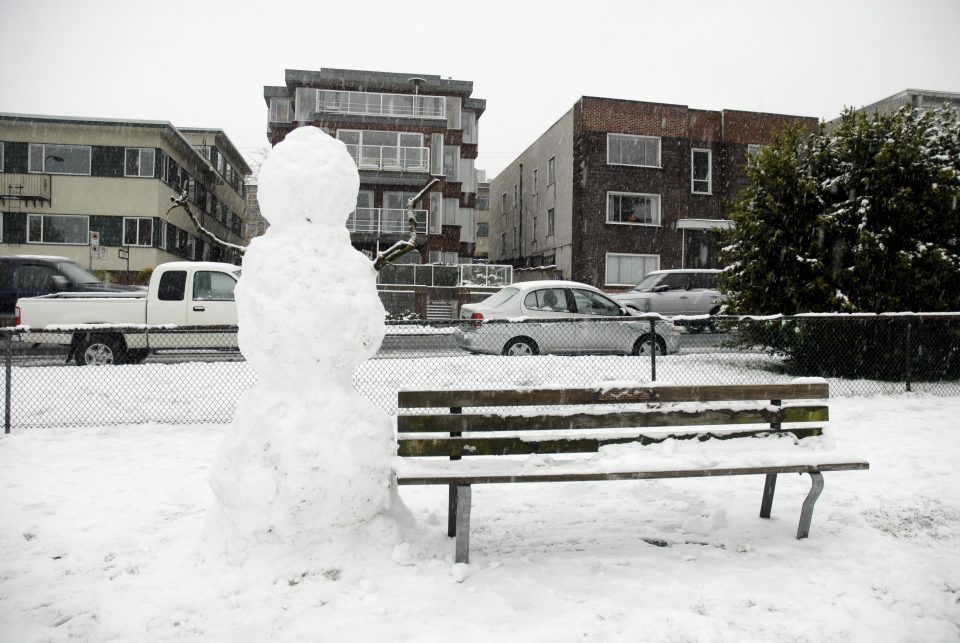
{"x": 176, "y": 382}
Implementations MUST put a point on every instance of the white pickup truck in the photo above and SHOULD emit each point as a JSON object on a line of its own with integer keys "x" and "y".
{"x": 118, "y": 328}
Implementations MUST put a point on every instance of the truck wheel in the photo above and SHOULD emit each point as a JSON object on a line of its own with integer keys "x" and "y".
{"x": 99, "y": 350}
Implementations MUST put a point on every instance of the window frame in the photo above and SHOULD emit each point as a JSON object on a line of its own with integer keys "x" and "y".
{"x": 551, "y": 221}
{"x": 140, "y": 164}
{"x": 636, "y": 137}
{"x": 44, "y": 216}
{"x": 606, "y": 266}
{"x": 551, "y": 170}
{"x": 536, "y": 180}
{"x": 44, "y": 155}
{"x": 693, "y": 179}
{"x": 659, "y": 212}
{"x": 139, "y": 221}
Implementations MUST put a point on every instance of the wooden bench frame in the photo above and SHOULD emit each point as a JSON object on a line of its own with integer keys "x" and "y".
{"x": 455, "y": 445}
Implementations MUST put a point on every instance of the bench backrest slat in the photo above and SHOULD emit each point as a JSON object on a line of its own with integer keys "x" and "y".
{"x": 467, "y": 422}
{"x": 456, "y": 447}
{"x": 573, "y": 396}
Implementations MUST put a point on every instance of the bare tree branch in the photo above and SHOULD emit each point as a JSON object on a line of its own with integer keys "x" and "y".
{"x": 401, "y": 248}
{"x": 182, "y": 202}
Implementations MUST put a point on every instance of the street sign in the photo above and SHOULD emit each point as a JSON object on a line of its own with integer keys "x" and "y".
{"x": 94, "y": 238}
{"x": 101, "y": 252}
{"x": 123, "y": 253}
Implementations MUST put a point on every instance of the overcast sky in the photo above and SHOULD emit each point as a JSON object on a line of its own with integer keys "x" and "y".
{"x": 203, "y": 63}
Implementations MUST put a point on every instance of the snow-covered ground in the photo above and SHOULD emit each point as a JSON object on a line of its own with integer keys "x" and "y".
{"x": 100, "y": 540}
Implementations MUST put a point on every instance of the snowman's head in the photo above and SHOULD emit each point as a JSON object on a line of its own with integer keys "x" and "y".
{"x": 308, "y": 180}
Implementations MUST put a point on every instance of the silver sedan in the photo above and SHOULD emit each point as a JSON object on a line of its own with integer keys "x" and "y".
{"x": 536, "y": 317}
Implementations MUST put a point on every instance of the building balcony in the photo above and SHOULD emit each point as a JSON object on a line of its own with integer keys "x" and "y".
{"x": 445, "y": 275}
{"x": 390, "y": 159}
{"x": 27, "y": 188}
{"x": 383, "y": 221}
{"x": 375, "y": 104}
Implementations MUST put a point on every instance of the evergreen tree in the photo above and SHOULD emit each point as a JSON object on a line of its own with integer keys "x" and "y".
{"x": 861, "y": 218}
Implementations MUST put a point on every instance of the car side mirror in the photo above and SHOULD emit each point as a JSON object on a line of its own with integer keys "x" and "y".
{"x": 60, "y": 282}
{"x": 661, "y": 288}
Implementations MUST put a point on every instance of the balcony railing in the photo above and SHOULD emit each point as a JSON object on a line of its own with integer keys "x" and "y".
{"x": 385, "y": 220}
{"x": 25, "y": 187}
{"x": 374, "y": 104}
{"x": 446, "y": 275}
{"x": 391, "y": 159}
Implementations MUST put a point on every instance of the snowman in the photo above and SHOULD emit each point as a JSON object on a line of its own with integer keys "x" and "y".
{"x": 306, "y": 457}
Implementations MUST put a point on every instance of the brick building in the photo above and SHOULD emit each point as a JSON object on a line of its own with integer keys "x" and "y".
{"x": 617, "y": 188}
{"x": 402, "y": 130}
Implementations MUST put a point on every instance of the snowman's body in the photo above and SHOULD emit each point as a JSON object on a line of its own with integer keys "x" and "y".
{"x": 306, "y": 455}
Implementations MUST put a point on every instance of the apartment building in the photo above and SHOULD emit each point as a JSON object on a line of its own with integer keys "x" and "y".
{"x": 98, "y": 191}
{"x": 617, "y": 188}
{"x": 916, "y": 98}
{"x": 402, "y": 130}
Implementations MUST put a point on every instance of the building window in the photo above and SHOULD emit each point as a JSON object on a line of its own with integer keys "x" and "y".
{"x": 551, "y": 170}
{"x": 516, "y": 193}
{"x": 700, "y": 171}
{"x": 451, "y": 162}
{"x": 627, "y": 149}
{"x": 1, "y": 157}
{"x": 637, "y": 209}
{"x": 550, "y": 222}
{"x": 536, "y": 179}
{"x": 163, "y": 235}
{"x": 137, "y": 231}
{"x": 59, "y": 159}
{"x": 534, "y": 235}
{"x": 503, "y": 244}
{"x": 139, "y": 162}
{"x": 503, "y": 203}
{"x": 58, "y": 228}
{"x": 629, "y": 269}
{"x": 483, "y": 228}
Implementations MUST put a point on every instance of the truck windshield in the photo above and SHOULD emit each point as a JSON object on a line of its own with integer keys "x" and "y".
{"x": 76, "y": 274}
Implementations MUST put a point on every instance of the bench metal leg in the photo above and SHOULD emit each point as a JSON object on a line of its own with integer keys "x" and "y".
{"x": 768, "y": 488}
{"x": 806, "y": 513}
{"x": 463, "y": 523}
{"x": 452, "y": 511}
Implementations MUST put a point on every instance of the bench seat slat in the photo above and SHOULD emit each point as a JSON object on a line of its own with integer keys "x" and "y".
{"x": 458, "y": 446}
{"x": 492, "y": 478}
{"x": 550, "y": 397}
{"x": 465, "y": 422}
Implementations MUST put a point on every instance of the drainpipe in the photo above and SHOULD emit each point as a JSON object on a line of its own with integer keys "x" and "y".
{"x": 520, "y": 196}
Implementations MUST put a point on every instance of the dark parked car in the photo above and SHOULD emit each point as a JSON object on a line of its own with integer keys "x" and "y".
{"x": 34, "y": 275}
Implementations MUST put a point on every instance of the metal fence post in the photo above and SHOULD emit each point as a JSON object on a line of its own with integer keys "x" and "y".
{"x": 908, "y": 367}
{"x": 8, "y": 387}
{"x": 653, "y": 350}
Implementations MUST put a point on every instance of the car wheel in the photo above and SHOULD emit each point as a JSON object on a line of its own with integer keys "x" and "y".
{"x": 520, "y": 346}
{"x": 100, "y": 350}
{"x": 642, "y": 345}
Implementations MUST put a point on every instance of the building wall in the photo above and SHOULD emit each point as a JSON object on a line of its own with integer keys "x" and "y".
{"x": 584, "y": 234}
{"x": 506, "y": 245}
{"x": 106, "y": 196}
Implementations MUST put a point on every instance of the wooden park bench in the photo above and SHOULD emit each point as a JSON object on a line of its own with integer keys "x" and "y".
{"x": 468, "y": 444}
